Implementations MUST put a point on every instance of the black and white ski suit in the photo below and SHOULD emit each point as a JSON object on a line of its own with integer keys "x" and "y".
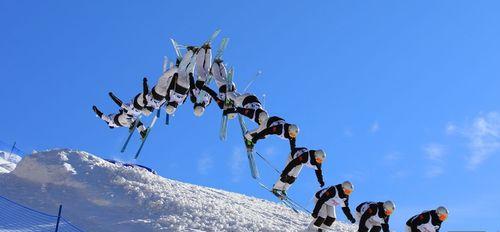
{"x": 249, "y": 106}
{"x": 121, "y": 119}
{"x": 428, "y": 221}
{"x": 219, "y": 72}
{"x": 179, "y": 87}
{"x": 325, "y": 202}
{"x": 203, "y": 64}
{"x": 299, "y": 157}
{"x": 372, "y": 217}
{"x": 273, "y": 126}
{"x": 158, "y": 94}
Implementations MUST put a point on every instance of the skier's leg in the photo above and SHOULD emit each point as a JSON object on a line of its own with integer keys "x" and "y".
{"x": 321, "y": 216}
{"x": 186, "y": 60}
{"x": 204, "y": 62}
{"x": 292, "y": 177}
{"x": 220, "y": 73}
{"x": 330, "y": 216}
{"x": 376, "y": 229}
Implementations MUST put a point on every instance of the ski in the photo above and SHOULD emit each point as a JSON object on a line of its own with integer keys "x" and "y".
{"x": 167, "y": 119}
{"x": 227, "y": 104}
{"x": 130, "y": 133}
{"x": 283, "y": 199}
{"x": 213, "y": 36}
{"x": 220, "y": 51}
{"x": 148, "y": 130}
{"x": 177, "y": 50}
{"x": 249, "y": 146}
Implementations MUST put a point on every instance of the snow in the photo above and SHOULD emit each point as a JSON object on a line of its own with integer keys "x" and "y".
{"x": 8, "y": 161}
{"x": 100, "y": 196}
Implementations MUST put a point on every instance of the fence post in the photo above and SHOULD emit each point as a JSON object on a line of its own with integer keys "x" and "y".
{"x": 58, "y": 218}
{"x": 11, "y": 150}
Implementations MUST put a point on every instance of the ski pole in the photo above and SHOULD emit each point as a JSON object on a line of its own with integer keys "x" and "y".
{"x": 267, "y": 162}
{"x": 252, "y": 81}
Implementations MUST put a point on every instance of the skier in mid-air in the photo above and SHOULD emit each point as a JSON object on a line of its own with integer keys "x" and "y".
{"x": 374, "y": 216}
{"x": 121, "y": 119}
{"x": 249, "y": 106}
{"x": 219, "y": 72}
{"x": 325, "y": 202}
{"x": 274, "y": 126}
{"x": 203, "y": 64}
{"x": 138, "y": 105}
{"x": 179, "y": 87}
{"x": 427, "y": 221}
{"x": 298, "y": 157}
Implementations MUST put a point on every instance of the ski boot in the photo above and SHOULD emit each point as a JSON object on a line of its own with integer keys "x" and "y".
{"x": 278, "y": 193}
{"x": 230, "y": 112}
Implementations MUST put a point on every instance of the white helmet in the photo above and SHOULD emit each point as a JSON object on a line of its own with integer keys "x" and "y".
{"x": 263, "y": 116}
{"x": 198, "y": 110}
{"x": 293, "y": 130}
{"x": 389, "y": 207}
{"x": 347, "y": 187}
{"x": 319, "y": 155}
{"x": 170, "y": 109}
{"x": 442, "y": 213}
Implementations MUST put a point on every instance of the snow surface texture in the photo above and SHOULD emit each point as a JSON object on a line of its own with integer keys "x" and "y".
{"x": 100, "y": 196}
{"x": 8, "y": 161}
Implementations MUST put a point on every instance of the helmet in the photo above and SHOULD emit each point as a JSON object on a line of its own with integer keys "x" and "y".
{"x": 319, "y": 156}
{"x": 198, "y": 110}
{"x": 263, "y": 116}
{"x": 293, "y": 130}
{"x": 170, "y": 109}
{"x": 442, "y": 213}
{"x": 389, "y": 207}
{"x": 347, "y": 187}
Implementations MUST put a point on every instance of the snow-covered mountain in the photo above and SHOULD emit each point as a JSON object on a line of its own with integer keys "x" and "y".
{"x": 8, "y": 161}
{"x": 101, "y": 196}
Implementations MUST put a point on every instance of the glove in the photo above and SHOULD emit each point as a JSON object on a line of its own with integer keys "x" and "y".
{"x": 352, "y": 220}
{"x": 314, "y": 215}
{"x": 321, "y": 183}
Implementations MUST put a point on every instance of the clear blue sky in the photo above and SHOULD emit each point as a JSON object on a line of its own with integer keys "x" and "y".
{"x": 403, "y": 95}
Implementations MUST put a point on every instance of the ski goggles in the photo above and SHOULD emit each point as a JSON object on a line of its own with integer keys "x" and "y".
{"x": 348, "y": 191}
{"x": 292, "y": 134}
{"x": 443, "y": 217}
{"x": 319, "y": 160}
{"x": 388, "y": 212}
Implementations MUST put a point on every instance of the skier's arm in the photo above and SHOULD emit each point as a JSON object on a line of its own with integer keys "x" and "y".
{"x": 294, "y": 163}
{"x": 324, "y": 198}
{"x": 214, "y": 95}
{"x": 292, "y": 144}
{"x": 115, "y": 99}
{"x": 145, "y": 90}
{"x": 192, "y": 88}
{"x": 385, "y": 225}
{"x": 319, "y": 175}
{"x": 362, "y": 222}
{"x": 348, "y": 214}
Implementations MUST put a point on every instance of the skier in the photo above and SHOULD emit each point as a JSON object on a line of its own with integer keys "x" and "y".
{"x": 179, "y": 84}
{"x": 121, "y": 119}
{"x": 326, "y": 200}
{"x": 203, "y": 64}
{"x": 219, "y": 72}
{"x": 277, "y": 126}
{"x": 298, "y": 157}
{"x": 427, "y": 221}
{"x": 138, "y": 105}
{"x": 374, "y": 216}
{"x": 157, "y": 97}
{"x": 249, "y": 106}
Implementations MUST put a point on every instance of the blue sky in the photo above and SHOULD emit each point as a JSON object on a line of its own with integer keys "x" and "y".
{"x": 402, "y": 95}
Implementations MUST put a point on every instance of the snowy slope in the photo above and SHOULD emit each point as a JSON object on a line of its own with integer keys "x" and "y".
{"x": 101, "y": 196}
{"x": 8, "y": 161}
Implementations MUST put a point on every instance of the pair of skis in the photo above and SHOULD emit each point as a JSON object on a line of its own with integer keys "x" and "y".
{"x": 143, "y": 140}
